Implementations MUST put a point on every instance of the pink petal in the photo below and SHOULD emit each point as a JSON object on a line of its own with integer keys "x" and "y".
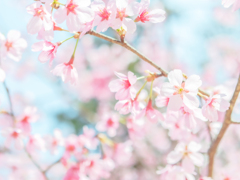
{"x": 60, "y": 15}
{"x": 193, "y": 83}
{"x": 34, "y": 25}
{"x": 157, "y": 15}
{"x": 175, "y": 102}
{"x": 188, "y": 165}
{"x": 132, "y": 78}
{"x": 38, "y": 46}
{"x": 174, "y": 157}
{"x": 197, "y": 159}
{"x": 13, "y": 35}
{"x": 175, "y": 77}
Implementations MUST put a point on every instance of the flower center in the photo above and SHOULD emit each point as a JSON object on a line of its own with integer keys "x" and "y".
{"x": 110, "y": 122}
{"x": 15, "y": 134}
{"x": 8, "y": 45}
{"x": 104, "y": 14}
{"x": 71, "y": 148}
{"x": 121, "y": 14}
{"x": 25, "y": 119}
{"x": 143, "y": 17}
{"x": 39, "y": 12}
{"x": 126, "y": 84}
{"x": 71, "y": 8}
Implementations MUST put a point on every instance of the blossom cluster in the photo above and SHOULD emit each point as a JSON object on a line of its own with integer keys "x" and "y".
{"x": 174, "y": 118}
{"x": 82, "y": 16}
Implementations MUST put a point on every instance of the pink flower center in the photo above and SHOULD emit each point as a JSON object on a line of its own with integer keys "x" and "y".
{"x": 71, "y": 8}
{"x": 8, "y": 45}
{"x": 25, "y": 119}
{"x": 39, "y": 12}
{"x": 126, "y": 84}
{"x": 70, "y": 148}
{"x": 104, "y": 14}
{"x": 91, "y": 164}
{"x": 143, "y": 17}
{"x": 110, "y": 122}
{"x": 121, "y": 14}
{"x": 15, "y": 134}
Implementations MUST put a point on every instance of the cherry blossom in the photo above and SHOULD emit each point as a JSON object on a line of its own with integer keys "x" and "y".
{"x": 67, "y": 71}
{"x": 29, "y": 116}
{"x": 88, "y": 138}
{"x": 75, "y": 12}
{"x": 213, "y": 105}
{"x": 41, "y": 18}
{"x": 48, "y": 49}
{"x": 124, "y": 11}
{"x": 35, "y": 142}
{"x": 14, "y": 136}
{"x": 181, "y": 92}
{"x": 234, "y": 3}
{"x": 105, "y": 15}
{"x": 124, "y": 86}
{"x": 191, "y": 116}
{"x": 109, "y": 123}
{"x": 144, "y": 15}
{"x": 12, "y": 46}
{"x": 151, "y": 113}
{"x": 188, "y": 153}
{"x": 52, "y": 142}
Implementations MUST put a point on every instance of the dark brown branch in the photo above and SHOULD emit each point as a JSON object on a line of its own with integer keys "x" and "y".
{"x": 227, "y": 121}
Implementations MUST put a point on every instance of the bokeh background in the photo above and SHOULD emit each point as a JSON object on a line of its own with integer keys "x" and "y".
{"x": 199, "y": 37}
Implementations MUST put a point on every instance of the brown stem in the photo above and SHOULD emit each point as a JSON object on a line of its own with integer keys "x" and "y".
{"x": 132, "y": 49}
{"x": 227, "y": 121}
{"x": 50, "y": 166}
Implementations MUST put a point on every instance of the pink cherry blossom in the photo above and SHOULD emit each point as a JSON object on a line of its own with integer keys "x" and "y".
{"x": 181, "y": 92}
{"x": 105, "y": 14}
{"x": 35, "y": 142}
{"x": 124, "y": 86}
{"x": 175, "y": 173}
{"x": 188, "y": 153}
{"x": 14, "y": 136}
{"x": 124, "y": 11}
{"x": 213, "y": 105}
{"x": 190, "y": 117}
{"x": 75, "y": 12}
{"x": 72, "y": 173}
{"x": 12, "y": 46}
{"x": 29, "y": 116}
{"x": 96, "y": 168}
{"x": 87, "y": 26}
{"x": 234, "y": 3}
{"x": 151, "y": 113}
{"x": 108, "y": 123}
{"x": 48, "y": 49}
{"x": 88, "y": 138}
{"x": 52, "y": 142}
{"x": 41, "y": 18}
{"x": 144, "y": 15}
{"x": 67, "y": 71}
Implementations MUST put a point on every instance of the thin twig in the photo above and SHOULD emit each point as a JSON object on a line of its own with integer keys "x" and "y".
{"x": 36, "y": 164}
{"x": 9, "y": 99}
{"x": 132, "y": 49}
{"x": 50, "y": 166}
{"x": 227, "y": 121}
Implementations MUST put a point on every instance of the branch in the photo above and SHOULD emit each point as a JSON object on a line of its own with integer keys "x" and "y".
{"x": 36, "y": 164}
{"x": 50, "y": 166}
{"x": 227, "y": 121}
{"x": 140, "y": 55}
{"x": 9, "y": 100}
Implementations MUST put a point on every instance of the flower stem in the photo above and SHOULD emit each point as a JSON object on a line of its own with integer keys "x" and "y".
{"x": 150, "y": 96}
{"x": 75, "y": 48}
{"x": 141, "y": 89}
{"x": 142, "y": 77}
{"x": 66, "y": 39}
